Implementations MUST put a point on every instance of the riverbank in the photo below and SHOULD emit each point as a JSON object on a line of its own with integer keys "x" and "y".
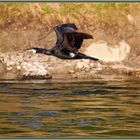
{"x": 26, "y": 65}
{"x": 114, "y": 26}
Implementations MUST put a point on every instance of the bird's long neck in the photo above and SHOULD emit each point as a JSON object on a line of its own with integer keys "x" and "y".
{"x": 47, "y": 52}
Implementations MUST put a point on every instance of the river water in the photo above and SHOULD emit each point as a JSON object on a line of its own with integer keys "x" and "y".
{"x": 102, "y": 107}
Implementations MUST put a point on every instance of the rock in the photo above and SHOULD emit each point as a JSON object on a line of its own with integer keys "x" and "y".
{"x": 17, "y": 65}
{"x": 86, "y": 61}
{"x": 74, "y": 76}
{"x": 79, "y": 65}
{"x": 33, "y": 69}
{"x": 107, "y": 53}
{"x": 9, "y": 68}
{"x": 99, "y": 66}
{"x": 99, "y": 69}
{"x": 47, "y": 76}
{"x": 86, "y": 66}
{"x": 91, "y": 64}
{"x": 71, "y": 71}
{"x": 36, "y": 66}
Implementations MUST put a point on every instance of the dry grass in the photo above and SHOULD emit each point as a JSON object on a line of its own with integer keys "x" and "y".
{"x": 55, "y": 13}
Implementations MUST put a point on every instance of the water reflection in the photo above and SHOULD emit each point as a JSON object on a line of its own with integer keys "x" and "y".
{"x": 68, "y": 108}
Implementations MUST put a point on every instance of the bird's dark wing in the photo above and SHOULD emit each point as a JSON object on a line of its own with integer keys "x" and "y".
{"x": 75, "y": 39}
{"x": 79, "y": 37}
{"x": 68, "y": 38}
{"x": 66, "y": 28}
{"x": 83, "y": 35}
{"x": 62, "y": 29}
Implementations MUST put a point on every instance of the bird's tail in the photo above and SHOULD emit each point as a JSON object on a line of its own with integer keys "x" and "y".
{"x": 83, "y": 56}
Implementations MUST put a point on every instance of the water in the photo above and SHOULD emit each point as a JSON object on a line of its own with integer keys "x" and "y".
{"x": 69, "y": 108}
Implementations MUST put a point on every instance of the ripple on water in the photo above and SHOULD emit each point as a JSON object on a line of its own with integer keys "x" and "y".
{"x": 96, "y": 108}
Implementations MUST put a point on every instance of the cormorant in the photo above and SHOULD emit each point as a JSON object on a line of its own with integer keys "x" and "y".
{"x": 67, "y": 44}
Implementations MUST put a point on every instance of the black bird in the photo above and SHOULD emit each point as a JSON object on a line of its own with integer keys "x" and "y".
{"x": 67, "y": 44}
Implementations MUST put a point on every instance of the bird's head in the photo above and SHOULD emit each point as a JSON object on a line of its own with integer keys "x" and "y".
{"x": 34, "y": 50}
{"x": 40, "y": 50}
